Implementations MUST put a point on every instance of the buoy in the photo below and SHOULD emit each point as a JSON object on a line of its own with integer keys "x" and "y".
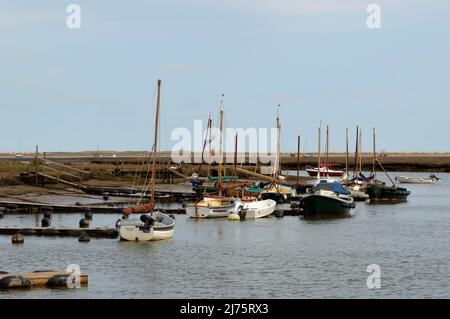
{"x": 47, "y": 214}
{"x": 234, "y": 216}
{"x": 14, "y": 282}
{"x": 45, "y": 222}
{"x": 17, "y": 239}
{"x": 88, "y": 215}
{"x": 84, "y": 223}
{"x": 84, "y": 237}
{"x": 58, "y": 281}
{"x": 279, "y": 214}
{"x": 105, "y": 197}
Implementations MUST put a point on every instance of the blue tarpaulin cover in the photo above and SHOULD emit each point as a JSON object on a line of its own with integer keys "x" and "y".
{"x": 334, "y": 187}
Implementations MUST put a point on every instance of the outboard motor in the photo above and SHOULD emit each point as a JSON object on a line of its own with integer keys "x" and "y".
{"x": 148, "y": 223}
{"x": 239, "y": 209}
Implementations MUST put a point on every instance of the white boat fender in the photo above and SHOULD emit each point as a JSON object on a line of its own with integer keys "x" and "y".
{"x": 15, "y": 282}
{"x": 234, "y": 216}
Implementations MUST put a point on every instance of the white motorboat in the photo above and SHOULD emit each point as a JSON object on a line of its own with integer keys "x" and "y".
{"x": 211, "y": 207}
{"x": 257, "y": 209}
{"x": 416, "y": 180}
{"x": 154, "y": 226}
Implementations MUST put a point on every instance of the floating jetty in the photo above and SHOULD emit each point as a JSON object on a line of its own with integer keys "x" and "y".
{"x": 28, "y": 207}
{"x": 39, "y": 279}
{"x": 100, "y": 232}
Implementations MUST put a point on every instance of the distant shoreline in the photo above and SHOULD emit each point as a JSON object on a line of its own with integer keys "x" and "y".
{"x": 399, "y": 161}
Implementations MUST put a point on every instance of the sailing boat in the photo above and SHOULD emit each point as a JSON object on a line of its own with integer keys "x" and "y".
{"x": 386, "y": 194}
{"x": 324, "y": 168}
{"x": 152, "y": 224}
{"x": 276, "y": 190}
{"x": 327, "y": 197}
{"x": 213, "y": 206}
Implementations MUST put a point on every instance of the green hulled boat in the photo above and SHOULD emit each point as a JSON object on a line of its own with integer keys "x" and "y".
{"x": 387, "y": 194}
{"x": 328, "y": 198}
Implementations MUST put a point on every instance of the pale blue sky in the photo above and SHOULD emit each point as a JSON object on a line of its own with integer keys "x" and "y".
{"x": 78, "y": 89}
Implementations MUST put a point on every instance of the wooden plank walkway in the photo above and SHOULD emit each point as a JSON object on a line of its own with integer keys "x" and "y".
{"x": 94, "y": 208}
{"x": 100, "y": 232}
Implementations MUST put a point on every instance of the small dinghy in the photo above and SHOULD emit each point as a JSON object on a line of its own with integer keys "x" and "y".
{"x": 211, "y": 207}
{"x": 417, "y": 180}
{"x": 255, "y": 209}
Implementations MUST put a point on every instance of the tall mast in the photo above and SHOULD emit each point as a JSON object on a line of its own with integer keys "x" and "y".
{"x": 298, "y": 159}
{"x": 155, "y": 145}
{"x": 235, "y": 153}
{"x": 327, "y": 151}
{"x": 374, "y": 155}
{"x": 277, "y": 161}
{"x": 210, "y": 149}
{"x": 318, "y": 154}
{"x": 204, "y": 147}
{"x": 355, "y": 169}
{"x": 346, "y": 152}
{"x": 220, "y": 147}
{"x": 360, "y": 151}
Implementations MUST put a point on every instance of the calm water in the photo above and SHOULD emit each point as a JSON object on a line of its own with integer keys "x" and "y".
{"x": 267, "y": 258}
